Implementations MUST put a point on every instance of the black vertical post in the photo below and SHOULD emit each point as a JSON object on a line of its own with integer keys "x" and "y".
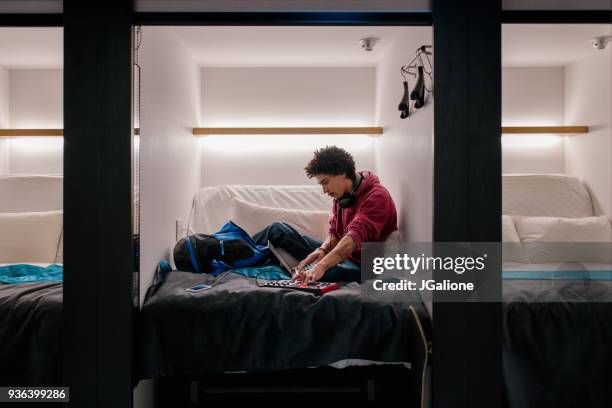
{"x": 98, "y": 202}
{"x": 467, "y": 370}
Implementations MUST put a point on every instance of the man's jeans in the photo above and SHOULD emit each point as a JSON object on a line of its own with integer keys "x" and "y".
{"x": 284, "y": 236}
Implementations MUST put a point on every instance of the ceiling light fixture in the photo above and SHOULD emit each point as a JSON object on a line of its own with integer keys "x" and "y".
{"x": 368, "y": 43}
{"x": 599, "y": 43}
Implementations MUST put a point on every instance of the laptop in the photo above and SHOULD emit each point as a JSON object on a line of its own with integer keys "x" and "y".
{"x": 287, "y": 261}
{"x": 290, "y": 264}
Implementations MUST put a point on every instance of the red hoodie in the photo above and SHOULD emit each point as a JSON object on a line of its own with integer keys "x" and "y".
{"x": 371, "y": 219}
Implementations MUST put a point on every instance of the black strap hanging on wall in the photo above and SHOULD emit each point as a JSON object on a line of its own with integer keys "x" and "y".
{"x": 420, "y": 90}
{"x": 404, "y": 105}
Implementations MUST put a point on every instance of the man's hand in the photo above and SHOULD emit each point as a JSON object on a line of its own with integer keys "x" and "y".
{"x": 311, "y": 275}
{"x": 315, "y": 256}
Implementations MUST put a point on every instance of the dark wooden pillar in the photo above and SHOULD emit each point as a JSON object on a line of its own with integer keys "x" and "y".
{"x": 98, "y": 202}
{"x": 467, "y": 370}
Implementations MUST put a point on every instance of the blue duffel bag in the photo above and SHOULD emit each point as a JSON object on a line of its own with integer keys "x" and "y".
{"x": 229, "y": 248}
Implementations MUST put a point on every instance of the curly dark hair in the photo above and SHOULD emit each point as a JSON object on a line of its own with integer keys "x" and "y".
{"x": 331, "y": 160}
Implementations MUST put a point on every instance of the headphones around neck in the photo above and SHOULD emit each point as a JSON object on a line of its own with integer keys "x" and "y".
{"x": 349, "y": 199}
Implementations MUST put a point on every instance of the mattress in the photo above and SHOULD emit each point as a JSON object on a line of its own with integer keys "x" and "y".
{"x": 552, "y": 270}
{"x": 30, "y": 334}
{"x": 557, "y": 336}
{"x": 238, "y": 326}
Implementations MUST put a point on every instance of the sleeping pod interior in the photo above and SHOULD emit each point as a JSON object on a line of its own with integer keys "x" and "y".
{"x": 229, "y": 118}
{"x": 556, "y": 124}
{"x": 31, "y": 205}
{"x": 253, "y": 150}
{"x": 556, "y": 208}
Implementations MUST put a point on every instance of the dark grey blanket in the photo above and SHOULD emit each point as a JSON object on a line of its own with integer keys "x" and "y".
{"x": 557, "y": 343}
{"x": 30, "y": 334}
{"x": 237, "y": 326}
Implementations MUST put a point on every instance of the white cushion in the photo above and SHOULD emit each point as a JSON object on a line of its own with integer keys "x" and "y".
{"x": 555, "y": 229}
{"x": 567, "y": 240}
{"x": 509, "y": 233}
{"x": 545, "y": 195}
{"x": 253, "y": 218}
{"x": 29, "y": 237}
{"x": 211, "y": 206}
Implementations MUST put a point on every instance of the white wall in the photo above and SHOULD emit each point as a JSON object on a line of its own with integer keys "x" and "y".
{"x": 31, "y": 6}
{"x": 4, "y": 119}
{"x": 4, "y": 156}
{"x": 288, "y": 96}
{"x": 533, "y": 96}
{"x": 5, "y": 100}
{"x": 588, "y": 102}
{"x": 404, "y": 153}
{"x": 36, "y": 155}
{"x": 169, "y": 153}
{"x": 34, "y": 101}
{"x": 36, "y": 98}
{"x": 282, "y": 97}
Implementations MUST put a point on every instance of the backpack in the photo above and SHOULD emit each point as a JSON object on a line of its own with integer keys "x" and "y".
{"x": 230, "y": 247}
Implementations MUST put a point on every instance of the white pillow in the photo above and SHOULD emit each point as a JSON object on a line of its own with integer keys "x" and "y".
{"x": 253, "y": 218}
{"x": 566, "y": 240}
{"x": 509, "y": 233}
{"x": 211, "y": 207}
{"x": 554, "y": 229}
{"x": 29, "y": 237}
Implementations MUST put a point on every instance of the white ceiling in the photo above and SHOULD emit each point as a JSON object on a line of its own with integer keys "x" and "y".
{"x": 285, "y": 46}
{"x": 549, "y": 45}
{"x": 31, "y": 47}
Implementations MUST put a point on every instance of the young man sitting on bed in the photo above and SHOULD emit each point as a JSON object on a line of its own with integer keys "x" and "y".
{"x": 363, "y": 211}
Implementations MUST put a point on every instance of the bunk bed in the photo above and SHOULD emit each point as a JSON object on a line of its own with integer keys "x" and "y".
{"x": 557, "y": 290}
{"x": 237, "y": 326}
{"x": 31, "y": 233}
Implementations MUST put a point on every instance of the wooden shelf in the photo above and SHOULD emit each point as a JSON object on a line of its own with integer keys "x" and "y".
{"x": 290, "y": 131}
{"x": 31, "y": 132}
{"x": 307, "y": 131}
{"x": 544, "y": 129}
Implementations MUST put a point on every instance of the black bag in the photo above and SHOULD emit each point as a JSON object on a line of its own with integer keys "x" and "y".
{"x": 196, "y": 253}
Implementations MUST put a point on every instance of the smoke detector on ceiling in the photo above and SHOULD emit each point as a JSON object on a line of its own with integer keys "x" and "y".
{"x": 368, "y": 43}
{"x": 600, "y": 43}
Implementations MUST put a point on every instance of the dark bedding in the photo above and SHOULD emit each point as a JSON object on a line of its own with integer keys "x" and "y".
{"x": 237, "y": 326}
{"x": 30, "y": 334}
{"x": 557, "y": 343}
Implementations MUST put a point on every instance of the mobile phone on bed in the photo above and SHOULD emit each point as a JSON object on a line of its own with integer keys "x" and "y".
{"x": 198, "y": 288}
